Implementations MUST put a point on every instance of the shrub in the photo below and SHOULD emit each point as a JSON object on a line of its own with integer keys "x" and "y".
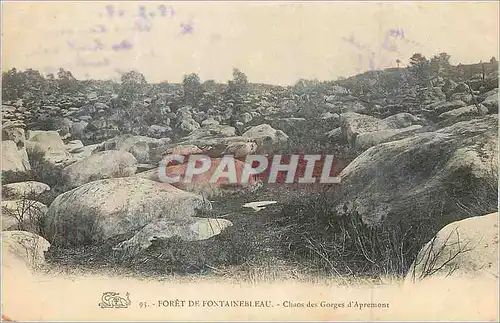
{"x": 345, "y": 245}
{"x": 41, "y": 171}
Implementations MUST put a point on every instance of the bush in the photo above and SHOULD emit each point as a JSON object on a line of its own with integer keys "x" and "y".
{"x": 345, "y": 245}
{"x": 41, "y": 171}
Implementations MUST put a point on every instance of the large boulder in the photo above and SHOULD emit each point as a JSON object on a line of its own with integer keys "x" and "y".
{"x": 466, "y": 248}
{"x": 470, "y": 110}
{"x": 183, "y": 150}
{"x": 50, "y": 143}
{"x": 141, "y": 147}
{"x": 22, "y": 213}
{"x": 13, "y": 158}
{"x": 464, "y": 97}
{"x": 188, "y": 125}
{"x": 23, "y": 189}
{"x": 78, "y": 129}
{"x": 363, "y": 131}
{"x": 85, "y": 152}
{"x": 74, "y": 146}
{"x": 212, "y": 134}
{"x": 240, "y": 149}
{"x": 187, "y": 229}
{"x": 158, "y": 132}
{"x": 491, "y": 101}
{"x": 265, "y": 136}
{"x": 427, "y": 172}
{"x": 353, "y": 106}
{"x": 23, "y": 248}
{"x": 107, "y": 208}
{"x": 101, "y": 165}
{"x": 436, "y": 108}
{"x": 16, "y": 134}
{"x": 368, "y": 139}
{"x": 246, "y": 117}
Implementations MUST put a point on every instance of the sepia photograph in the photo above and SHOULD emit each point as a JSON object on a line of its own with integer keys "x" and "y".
{"x": 249, "y": 161}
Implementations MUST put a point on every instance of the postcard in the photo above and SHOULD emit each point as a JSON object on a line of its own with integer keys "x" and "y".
{"x": 250, "y": 161}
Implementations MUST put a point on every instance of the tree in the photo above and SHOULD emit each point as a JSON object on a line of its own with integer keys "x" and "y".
{"x": 52, "y": 84}
{"x": 239, "y": 84}
{"x": 134, "y": 85}
{"x": 420, "y": 68}
{"x": 209, "y": 86}
{"x": 493, "y": 60}
{"x": 236, "y": 93}
{"x": 191, "y": 86}
{"x": 11, "y": 84}
{"x": 67, "y": 82}
{"x": 398, "y": 61}
{"x": 440, "y": 64}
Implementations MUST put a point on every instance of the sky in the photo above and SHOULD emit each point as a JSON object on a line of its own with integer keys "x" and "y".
{"x": 271, "y": 42}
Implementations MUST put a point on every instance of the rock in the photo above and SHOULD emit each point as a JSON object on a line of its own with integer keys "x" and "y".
{"x": 92, "y": 96}
{"x": 402, "y": 120}
{"x": 246, "y": 117}
{"x": 466, "y": 248}
{"x": 437, "y": 108}
{"x": 74, "y": 146}
{"x": 183, "y": 150}
{"x": 78, "y": 129}
{"x": 151, "y": 174}
{"x": 335, "y": 134}
{"x": 50, "y": 143}
{"x": 63, "y": 125}
{"x": 368, "y": 139}
{"x": 427, "y": 173}
{"x": 21, "y": 247}
{"x": 101, "y": 106}
{"x": 374, "y": 130}
{"x": 210, "y": 122}
{"x": 15, "y": 134}
{"x": 209, "y": 135}
{"x": 339, "y": 90}
{"x": 101, "y": 165}
{"x": 449, "y": 86}
{"x": 464, "y": 97}
{"x": 156, "y": 131}
{"x": 141, "y": 147}
{"x": 85, "y": 118}
{"x": 14, "y": 124}
{"x": 14, "y": 159}
{"x": 187, "y": 229}
{"x": 85, "y": 152}
{"x": 264, "y": 135}
{"x": 354, "y": 107}
{"x": 461, "y": 88}
{"x": 353, "y": 124}
{"x": 107, "y": 208}
{"x": 188, "y": 125}
{"x": 470, "y": 110}
{"x": 491, "y": 101}
{"x": 329, "y": 115}
{"x": 98, "y": 124}
{"x": 23, "y": 189}
{"x": 145, "y": 167}
{"x": 240, "y": 149}
{"x": 22, "y": 213}
{"x": 185, "y": 111}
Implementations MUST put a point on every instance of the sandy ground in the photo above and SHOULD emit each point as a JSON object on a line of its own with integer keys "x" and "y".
{"x": 41, "y": 297}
